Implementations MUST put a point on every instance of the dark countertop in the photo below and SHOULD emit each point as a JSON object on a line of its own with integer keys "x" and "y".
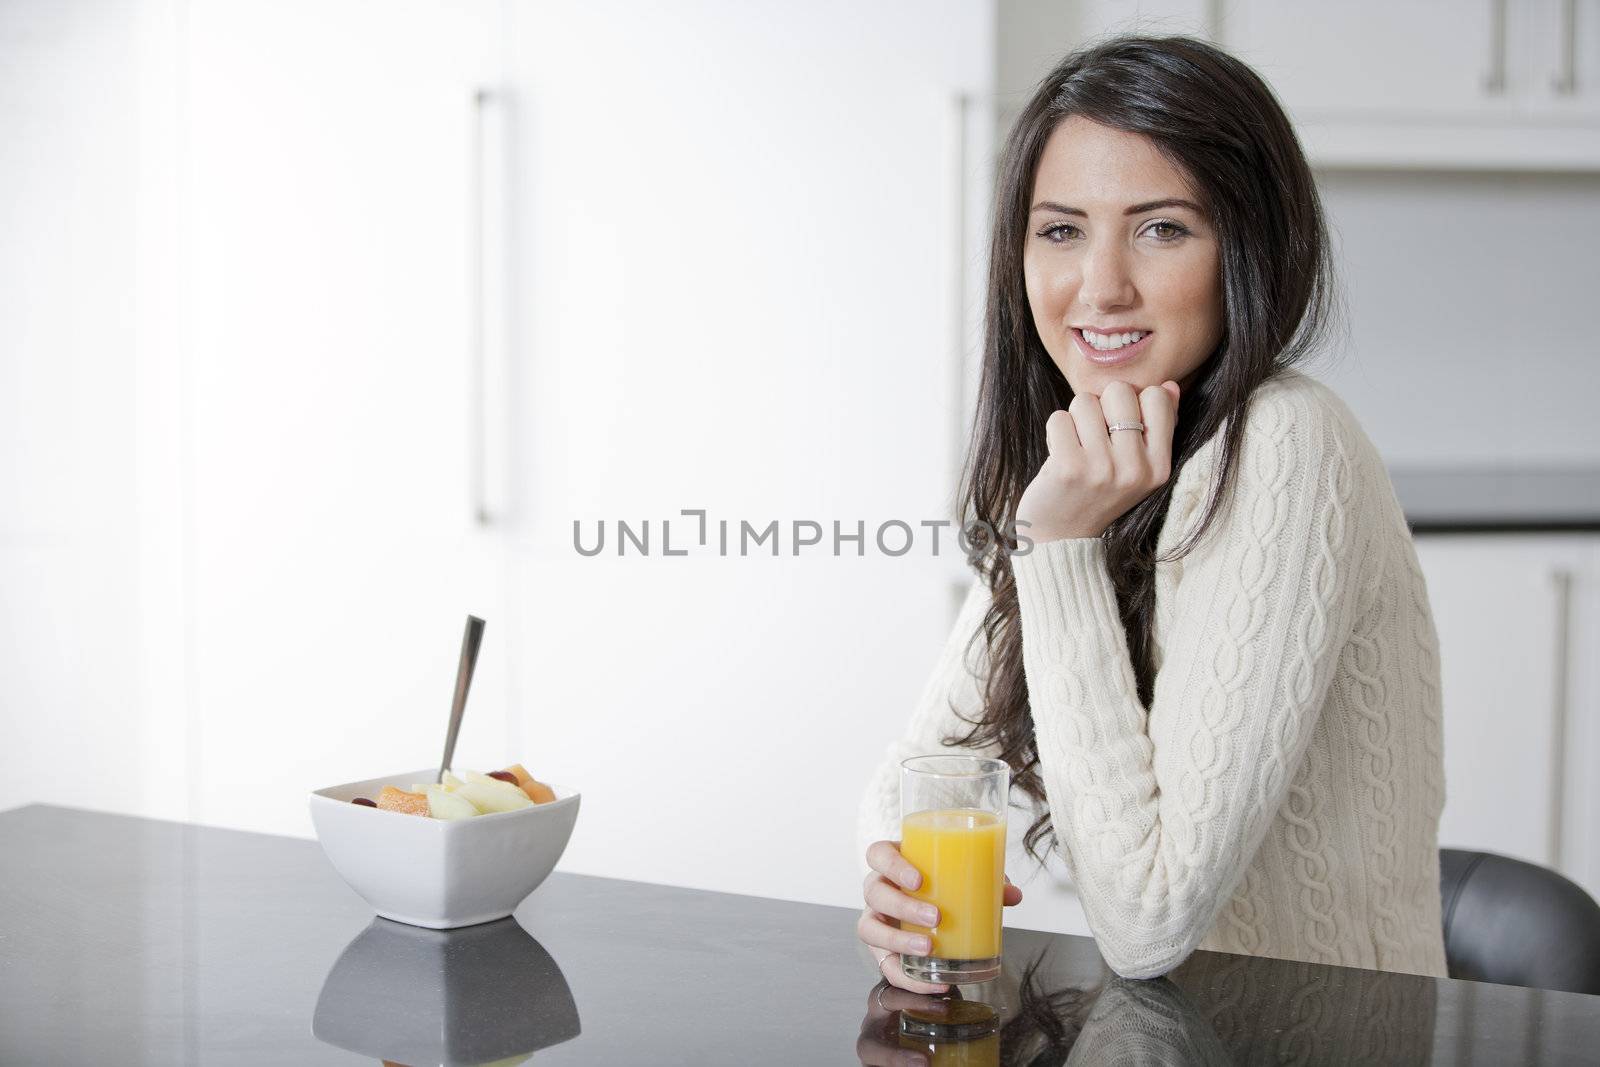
{"x": 1489, "y": 500}
{"x": 134, "y": 941}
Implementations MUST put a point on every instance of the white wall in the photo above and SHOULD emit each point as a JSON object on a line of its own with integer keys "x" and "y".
{"x": 1471, "y": 314}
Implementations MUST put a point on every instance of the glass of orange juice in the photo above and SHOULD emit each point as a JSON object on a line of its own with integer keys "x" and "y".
{"x": 953, "y": 830}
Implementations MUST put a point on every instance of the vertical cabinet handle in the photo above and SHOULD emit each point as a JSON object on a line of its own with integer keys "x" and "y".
{"x": 1565, "y": 82}
{"x": 960, "y": 105}
{"x": 477, "y": 442}
{"x": 1561, "y": 579}
{"x": 488, "y": 440}
{"x": 1494, "y": 82}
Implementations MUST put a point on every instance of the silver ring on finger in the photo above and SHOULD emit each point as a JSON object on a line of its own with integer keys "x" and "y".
{"x": 1115, "y": 426}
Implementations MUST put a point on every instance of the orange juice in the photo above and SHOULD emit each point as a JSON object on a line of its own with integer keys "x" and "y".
{"x": 979, "y": 1052}
{"x": 961, "y": 853}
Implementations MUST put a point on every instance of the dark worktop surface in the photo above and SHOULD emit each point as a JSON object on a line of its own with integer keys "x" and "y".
{"x": 135, "y": 941}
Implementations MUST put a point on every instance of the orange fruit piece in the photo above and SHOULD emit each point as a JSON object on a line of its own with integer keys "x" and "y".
{"x": 537, "y": 791}
{"x": 392, "y": 799}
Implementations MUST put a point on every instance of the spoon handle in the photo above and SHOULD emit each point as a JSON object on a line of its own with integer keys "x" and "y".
{"x": 470, "y": 640}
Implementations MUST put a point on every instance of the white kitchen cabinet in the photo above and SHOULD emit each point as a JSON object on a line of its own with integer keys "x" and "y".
{"x": 1416, "y": 84}
{"x": 1518, "y": 618}
{"x": 1430, "y": 83}
{"x": 1371, "y": 56}
{"x": 328, "y": 257}
{"x": 69, "y": 577}
{"x": 738, "y": 245}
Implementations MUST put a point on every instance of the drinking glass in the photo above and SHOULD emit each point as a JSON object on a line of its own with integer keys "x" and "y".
{"x": 953, "y": 830}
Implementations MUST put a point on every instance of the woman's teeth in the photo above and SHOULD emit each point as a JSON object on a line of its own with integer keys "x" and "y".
{"x": 1110, "y": 342}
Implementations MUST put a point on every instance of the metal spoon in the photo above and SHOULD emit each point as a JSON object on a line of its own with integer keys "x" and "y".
{"x": 470, "y": 640}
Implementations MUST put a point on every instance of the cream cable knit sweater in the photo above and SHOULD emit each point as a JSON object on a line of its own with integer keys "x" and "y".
{"x": 1281, "y": 797}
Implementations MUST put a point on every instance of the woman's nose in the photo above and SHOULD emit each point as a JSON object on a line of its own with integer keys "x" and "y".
{"x": 1106, "y": 283}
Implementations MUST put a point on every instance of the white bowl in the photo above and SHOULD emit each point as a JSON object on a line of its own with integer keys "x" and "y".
{"x": 440, "y": 873}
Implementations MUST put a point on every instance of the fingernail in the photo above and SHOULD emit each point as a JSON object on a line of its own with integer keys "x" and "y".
{"x": 930, "y": 915}
{"x": 912, "y": 879}
{"x": 921, "y": 946}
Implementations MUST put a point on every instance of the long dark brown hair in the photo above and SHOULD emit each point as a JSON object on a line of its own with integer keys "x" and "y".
{"x": 1216, "y": 120}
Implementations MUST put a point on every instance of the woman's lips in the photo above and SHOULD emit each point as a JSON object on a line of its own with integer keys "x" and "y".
{"x": 1110, "y": 359}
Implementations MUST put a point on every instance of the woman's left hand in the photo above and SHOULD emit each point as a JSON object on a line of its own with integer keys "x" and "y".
{"x": 1091, "y": 476}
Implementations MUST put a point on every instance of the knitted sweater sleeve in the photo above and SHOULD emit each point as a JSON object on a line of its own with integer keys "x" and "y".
{"x": 1158, "y": 813}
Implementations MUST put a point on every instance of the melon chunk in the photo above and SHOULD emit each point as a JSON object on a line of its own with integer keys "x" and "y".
{"x": 447, "y": 805}
{"x": 392, "y": 799}
{"x": 491, "y": 794}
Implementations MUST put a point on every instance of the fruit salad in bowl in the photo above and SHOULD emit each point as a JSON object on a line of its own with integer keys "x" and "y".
{"x": 452, "y": 798}
{"x": 464, "y": 850}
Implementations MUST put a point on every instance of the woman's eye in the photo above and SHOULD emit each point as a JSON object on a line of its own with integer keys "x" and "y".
{"x": 1056, "y": 234}
{"x": 1171, "y": 230}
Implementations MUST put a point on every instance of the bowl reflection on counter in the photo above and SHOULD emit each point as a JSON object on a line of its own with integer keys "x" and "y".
{"x": 481, "y": 994}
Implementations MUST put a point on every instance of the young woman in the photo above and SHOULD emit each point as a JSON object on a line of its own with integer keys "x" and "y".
{"x": 1214, "y": 673}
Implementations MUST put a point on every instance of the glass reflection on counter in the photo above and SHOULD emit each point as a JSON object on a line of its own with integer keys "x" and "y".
{"x": 468, "y": 997}
{"x": 1015, "y": 1019}
{"x": 953, "y": 1033}
{"x": 1214, "y": 1009}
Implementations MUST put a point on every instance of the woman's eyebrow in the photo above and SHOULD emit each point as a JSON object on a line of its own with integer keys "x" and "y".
{"x": 1149, "y": 205}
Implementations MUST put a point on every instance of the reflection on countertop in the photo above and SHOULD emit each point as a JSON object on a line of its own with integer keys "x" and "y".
{"x": 469, "y": 996}
{"x": 1059, "y": 1004}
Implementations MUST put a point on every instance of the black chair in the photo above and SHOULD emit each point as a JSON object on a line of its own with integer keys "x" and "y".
{"x": 1517, "y": 923}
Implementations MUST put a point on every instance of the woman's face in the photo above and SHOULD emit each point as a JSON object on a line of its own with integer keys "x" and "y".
{"x": 1117, "y": 242}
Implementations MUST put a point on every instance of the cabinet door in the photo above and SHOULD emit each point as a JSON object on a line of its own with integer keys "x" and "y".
{"x": 333, "y": 551}
{"x": 1559, "y": 81}
{"x": 1379, "y": 57}
{"x": 737, "y": 253}
{"x": 70, "y": 666}
{"x": 1425, "y": 83}
{"x": 1518, "y": 729}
